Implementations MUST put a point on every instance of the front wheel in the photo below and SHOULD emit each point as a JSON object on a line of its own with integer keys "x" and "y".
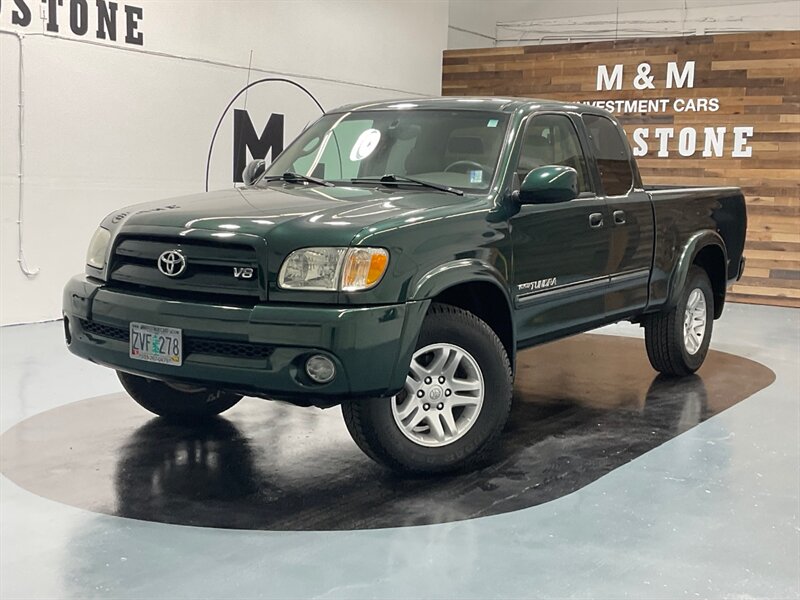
{"x": 453, "y": 406}
{"x": 177, "y": 401}
{"x": 677, "y": 341}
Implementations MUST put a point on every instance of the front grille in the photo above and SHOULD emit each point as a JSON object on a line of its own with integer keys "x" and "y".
{"x": 210, "y": 271}
{"x": 191, "y": 345}
{"x": 106, "y": 331}
{"x": 232, "y": 349}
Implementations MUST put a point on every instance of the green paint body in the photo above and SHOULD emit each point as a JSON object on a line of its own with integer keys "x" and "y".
{"x": 551, "y": 273}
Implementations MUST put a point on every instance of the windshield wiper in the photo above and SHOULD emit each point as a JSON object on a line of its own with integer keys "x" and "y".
{"x": 295, "y": 177}
{"x": 389, "y": 179}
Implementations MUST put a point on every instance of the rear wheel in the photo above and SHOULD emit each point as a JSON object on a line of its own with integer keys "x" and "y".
{"x": 677, "y": 341}
{"x": 453, "y": 406}
{"x": 177, "y": 401}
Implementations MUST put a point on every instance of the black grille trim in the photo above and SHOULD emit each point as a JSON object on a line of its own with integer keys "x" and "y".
{"x": 191, "y": 345}
{"x": 230, "y": 349}
{"x": 106, "y": 331}
{"x": 209, "y": 271}
{"x": 184, "y": 295}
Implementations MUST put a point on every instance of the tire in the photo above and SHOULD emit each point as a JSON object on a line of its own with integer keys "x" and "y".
{"x": 471, "y": 382}
{"x": 175, "y": 401}
{"x": 671, "y": 349}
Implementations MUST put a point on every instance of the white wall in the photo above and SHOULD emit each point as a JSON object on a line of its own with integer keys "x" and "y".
{"x": 108, "y": 124}
{"x": 475, "y": 23}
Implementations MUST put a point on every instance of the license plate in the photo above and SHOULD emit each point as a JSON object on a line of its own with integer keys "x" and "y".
{"x": 156, "y": 344}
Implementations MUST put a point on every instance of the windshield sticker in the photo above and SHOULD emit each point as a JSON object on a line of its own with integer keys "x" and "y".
{"x": 476, "y": 176}
{"x": 493, "y": 122}
{"x": 365, "y": 144}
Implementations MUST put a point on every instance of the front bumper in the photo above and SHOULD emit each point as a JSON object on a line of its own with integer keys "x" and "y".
{"x": 370, "y": 346}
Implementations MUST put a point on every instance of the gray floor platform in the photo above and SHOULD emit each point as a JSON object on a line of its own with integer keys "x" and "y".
{"x": 708, "y": 508}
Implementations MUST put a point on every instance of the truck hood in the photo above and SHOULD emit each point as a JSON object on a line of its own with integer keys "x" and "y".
{"x": 315, "y": 215}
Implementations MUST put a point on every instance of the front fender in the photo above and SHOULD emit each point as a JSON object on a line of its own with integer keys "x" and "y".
{"x": 456, "y": 272}
{"x": 492, "y": 302}
{"x": 691, "y": 248}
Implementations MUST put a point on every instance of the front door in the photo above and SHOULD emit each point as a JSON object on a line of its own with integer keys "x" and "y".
{"x": 560, "y": 250}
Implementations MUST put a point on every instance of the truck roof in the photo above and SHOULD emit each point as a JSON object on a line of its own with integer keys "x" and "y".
{"x": 486, "y": 103}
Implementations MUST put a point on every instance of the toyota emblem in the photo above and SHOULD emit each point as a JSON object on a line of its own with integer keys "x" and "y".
{"x": 172, "y": 263}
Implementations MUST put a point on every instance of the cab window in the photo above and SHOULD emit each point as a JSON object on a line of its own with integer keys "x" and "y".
{"x": 333, "y": 162}
{"x": 552, "y": 140}
{"x": 611, "y": 154}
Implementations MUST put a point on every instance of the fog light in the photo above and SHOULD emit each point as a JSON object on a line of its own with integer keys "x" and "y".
{"x": 320, "y": 368}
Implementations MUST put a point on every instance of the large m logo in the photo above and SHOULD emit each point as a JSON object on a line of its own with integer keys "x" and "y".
{"x": 245, "y": 138}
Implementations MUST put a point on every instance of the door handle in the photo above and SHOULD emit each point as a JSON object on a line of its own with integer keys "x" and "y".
{"x": 619, "y": 217}
{"x": 596, "y": 220}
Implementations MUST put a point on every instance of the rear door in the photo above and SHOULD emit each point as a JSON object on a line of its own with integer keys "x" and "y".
{"x": 631, "y": 222}
{"x": 560, "y": 250}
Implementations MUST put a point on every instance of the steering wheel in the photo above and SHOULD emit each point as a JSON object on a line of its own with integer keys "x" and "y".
{"x": 470, "y": 163}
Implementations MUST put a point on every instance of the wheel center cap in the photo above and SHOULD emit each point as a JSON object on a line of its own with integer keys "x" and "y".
{"x": 435, "y": 393}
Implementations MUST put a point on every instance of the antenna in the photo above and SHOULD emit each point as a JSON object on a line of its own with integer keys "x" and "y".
{"x": 249, "y": 70}
{"x": 246, "y": 90}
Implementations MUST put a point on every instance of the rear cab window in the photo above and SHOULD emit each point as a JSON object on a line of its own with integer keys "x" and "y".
{"x": 611, "y": 154}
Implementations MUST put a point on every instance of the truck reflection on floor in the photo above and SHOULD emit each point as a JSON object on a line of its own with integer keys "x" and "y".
{"x": 583, "y": 407}
{"x": 591, "y": 410}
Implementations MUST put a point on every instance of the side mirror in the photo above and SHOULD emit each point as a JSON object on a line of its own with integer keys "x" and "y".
{"x": 253, "y": 170}
{"x": 546, "y": 185}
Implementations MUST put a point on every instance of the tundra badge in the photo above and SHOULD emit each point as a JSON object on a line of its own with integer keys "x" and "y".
{"x": 539, "y": 284}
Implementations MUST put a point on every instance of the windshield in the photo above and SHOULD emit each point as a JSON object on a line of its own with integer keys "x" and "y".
{"x": 458, "y": 148}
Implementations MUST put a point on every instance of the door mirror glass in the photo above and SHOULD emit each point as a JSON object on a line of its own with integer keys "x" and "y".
{"x": 546, "y": 185}
{"x": 253, "y": 171}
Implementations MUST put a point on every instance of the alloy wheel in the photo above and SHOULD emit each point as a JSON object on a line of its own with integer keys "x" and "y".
{"x": 442, "y": 397}
{"x": 694, "y": 321}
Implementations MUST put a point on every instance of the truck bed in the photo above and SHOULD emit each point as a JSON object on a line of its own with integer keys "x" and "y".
{"x": 680, "y": 212}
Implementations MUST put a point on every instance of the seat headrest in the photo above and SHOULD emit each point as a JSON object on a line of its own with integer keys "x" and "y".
{"x": 534, "y": 142}
{"x": 465, "y": 145}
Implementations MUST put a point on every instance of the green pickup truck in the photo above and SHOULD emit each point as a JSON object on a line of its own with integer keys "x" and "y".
{"x": 393, "y": 260}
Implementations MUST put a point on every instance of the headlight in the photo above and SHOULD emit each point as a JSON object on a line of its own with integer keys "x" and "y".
{"x": 312, "y": 269}
{"x": 363, "y": 268}
{"x": 333, "y": 269}
{"x": 96, "y": 255}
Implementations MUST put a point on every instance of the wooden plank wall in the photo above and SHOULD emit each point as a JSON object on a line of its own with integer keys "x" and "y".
{"x": 756, "y": 78}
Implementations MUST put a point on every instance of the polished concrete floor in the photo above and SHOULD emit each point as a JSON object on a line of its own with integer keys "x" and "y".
{"x": 268, "y": 465}
{"x": 611, "y": 482}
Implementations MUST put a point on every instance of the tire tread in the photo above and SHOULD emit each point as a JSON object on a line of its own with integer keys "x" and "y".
{"x": 370, "y": 443}
{"x": 662, "y": 341}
